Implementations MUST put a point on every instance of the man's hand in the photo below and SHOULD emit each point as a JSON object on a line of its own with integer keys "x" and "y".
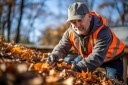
{"x": 76, "y": 68}
{"x": 52, "y": 58}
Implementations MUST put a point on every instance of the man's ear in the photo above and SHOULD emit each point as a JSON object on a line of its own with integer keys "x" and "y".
{"x": 90, "y": 16}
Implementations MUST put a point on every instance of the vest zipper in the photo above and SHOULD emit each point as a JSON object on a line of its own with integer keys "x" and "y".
{"x": 84, "y": 46}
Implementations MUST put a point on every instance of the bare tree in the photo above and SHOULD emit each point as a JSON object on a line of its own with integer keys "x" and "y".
{"x": 121, "y": 12}
{"x": 10, "y": 3}
{"x": 5, "y": 17}
{"x": 17, "y": 39}
{"x": 1, "y": 8}
{"x": 33, "y": 18}
{"x": 121, "y": 9}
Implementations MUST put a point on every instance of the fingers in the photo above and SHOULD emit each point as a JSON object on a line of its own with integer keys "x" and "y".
{"x": 48, "y": 59}
{"x": 52, "y": 58}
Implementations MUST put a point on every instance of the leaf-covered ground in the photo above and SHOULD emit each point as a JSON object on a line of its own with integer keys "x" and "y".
{"x": 20, "y": 65}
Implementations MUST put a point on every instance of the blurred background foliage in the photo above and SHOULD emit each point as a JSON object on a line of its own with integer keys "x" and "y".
{"x": 42, "y": 22}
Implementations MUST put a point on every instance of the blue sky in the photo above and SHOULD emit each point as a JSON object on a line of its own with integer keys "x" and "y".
{"x": 53, "y": 7}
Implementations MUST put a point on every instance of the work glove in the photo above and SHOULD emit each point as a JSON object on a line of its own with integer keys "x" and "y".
{"x": 76, "y": 60}
{"x": 52, "y": 58}
{"x": 76, "y": 68}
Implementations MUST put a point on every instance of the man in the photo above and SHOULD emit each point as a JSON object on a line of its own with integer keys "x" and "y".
{"x": 93, "y": 40}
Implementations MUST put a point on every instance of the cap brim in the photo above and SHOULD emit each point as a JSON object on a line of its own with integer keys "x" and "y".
{"x": 76, "y": 17}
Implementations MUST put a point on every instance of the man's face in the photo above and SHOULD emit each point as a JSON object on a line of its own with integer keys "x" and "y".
{"x": 82, "y": 26}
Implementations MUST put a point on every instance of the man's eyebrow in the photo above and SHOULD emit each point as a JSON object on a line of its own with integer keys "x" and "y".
{"x": 72, "y": 20}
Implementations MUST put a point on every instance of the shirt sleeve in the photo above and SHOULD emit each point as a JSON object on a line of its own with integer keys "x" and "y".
{"x": 64, "y": 45}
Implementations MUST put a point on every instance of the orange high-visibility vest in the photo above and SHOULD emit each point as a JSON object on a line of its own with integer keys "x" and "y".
{"x": 115, "y": 48}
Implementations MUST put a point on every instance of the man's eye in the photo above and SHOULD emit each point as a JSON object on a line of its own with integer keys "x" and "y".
{"x": 79, "y": 20}
{"x": 73, "y": 23}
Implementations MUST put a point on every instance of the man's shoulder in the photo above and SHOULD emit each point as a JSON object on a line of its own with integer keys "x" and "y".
{"x": 105, "y": 28}
{"x": 105, "y": 31}
{"x": 69, "y": 29}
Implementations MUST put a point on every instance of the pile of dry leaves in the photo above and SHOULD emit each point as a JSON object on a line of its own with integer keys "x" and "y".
{"x": 23, "y": 66}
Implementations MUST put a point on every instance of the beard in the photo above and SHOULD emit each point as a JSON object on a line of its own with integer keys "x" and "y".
{"x": 81, "y": 31}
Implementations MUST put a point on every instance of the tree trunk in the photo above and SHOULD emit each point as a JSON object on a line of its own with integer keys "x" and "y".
{"x": 9, "y": 23}
{"x": 122, "y": 15}
{"x": 0, "y": 25}
{"x": 17, "y": 39}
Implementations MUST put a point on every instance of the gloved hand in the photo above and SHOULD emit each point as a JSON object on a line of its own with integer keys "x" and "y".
{"x": 76, "y": 60}
{"x": 52, "y": 58}
{"x": 76, "y": 68}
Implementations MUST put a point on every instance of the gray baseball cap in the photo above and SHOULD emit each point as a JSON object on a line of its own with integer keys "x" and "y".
{"x": 77, "y": 11}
